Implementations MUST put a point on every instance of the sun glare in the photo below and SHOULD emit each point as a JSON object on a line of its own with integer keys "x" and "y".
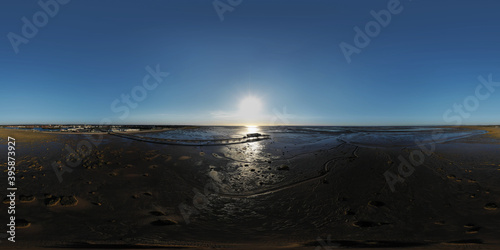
{"x": 252, "y": 129}
{"x": 250, "y": 108}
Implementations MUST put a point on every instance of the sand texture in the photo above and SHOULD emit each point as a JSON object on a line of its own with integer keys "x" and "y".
{"x": 301, "y": 189}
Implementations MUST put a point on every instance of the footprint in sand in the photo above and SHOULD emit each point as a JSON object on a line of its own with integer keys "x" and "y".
{"x": 26, "y": 198}
{"x": 472, "y": 229}
{"x": 68, "y": 201}
{"x": 376, "y": 204}
{"x": 157, "y": 213}
{"x": 216, "y": 156}
{"x": 22, "y": 223}
{"x": 349, "y": 212}
{"x": 491, "y": 206}
{"x": 164, "y": 222}
{"x": 284, "y": 167}
{"x": 202, "y": 153}
{"x": 51, "y": 201}
{"x": 363, "y": 223}
{"x": 366, "y": 223}
{"x": 440, "y": 223}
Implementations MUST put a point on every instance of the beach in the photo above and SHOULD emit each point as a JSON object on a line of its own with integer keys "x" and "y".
{"x": 304, "y": 188}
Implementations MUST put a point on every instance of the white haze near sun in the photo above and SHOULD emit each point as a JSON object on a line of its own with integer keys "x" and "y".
{"x": 250, "y": 110}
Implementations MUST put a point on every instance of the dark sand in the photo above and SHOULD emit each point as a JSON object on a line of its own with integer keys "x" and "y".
{"x": 260, "y": 195}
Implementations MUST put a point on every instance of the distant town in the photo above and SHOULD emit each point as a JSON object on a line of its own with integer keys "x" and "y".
{"x": 79, "y": 128}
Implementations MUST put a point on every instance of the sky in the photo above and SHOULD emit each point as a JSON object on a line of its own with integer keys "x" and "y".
{"x": 258, "y": 62}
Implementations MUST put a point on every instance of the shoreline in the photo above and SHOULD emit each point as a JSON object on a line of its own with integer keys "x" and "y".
{"x": 96, "y": 133}
{"x": 102, "y": 133}
{"x": 492, "y": 131}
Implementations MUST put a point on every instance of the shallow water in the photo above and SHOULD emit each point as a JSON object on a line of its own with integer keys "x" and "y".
{"x": 362, "y": 136}
{"x": 410, "y": 136}
{"x": 201, "y": 133}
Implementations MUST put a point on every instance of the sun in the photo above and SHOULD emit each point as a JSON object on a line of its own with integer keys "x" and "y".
{"x": 250, "y": 108}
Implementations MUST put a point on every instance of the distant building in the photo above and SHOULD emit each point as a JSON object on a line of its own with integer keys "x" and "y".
{"x": 131, "y": 129}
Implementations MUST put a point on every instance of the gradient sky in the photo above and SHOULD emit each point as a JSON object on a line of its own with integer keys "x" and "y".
{"x": 284, "y": 52}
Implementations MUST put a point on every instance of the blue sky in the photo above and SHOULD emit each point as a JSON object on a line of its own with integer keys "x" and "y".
{"x": 284, "y": 52}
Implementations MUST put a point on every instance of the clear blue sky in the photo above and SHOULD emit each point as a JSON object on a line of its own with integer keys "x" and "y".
{"x": 284, "y": 52}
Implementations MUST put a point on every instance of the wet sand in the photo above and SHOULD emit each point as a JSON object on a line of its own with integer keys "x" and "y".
{"x": 280, "y": 193}
{"x": 493, "y": 131}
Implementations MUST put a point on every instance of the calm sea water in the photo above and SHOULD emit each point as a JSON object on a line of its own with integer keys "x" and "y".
{"x": 364, "y": 136}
